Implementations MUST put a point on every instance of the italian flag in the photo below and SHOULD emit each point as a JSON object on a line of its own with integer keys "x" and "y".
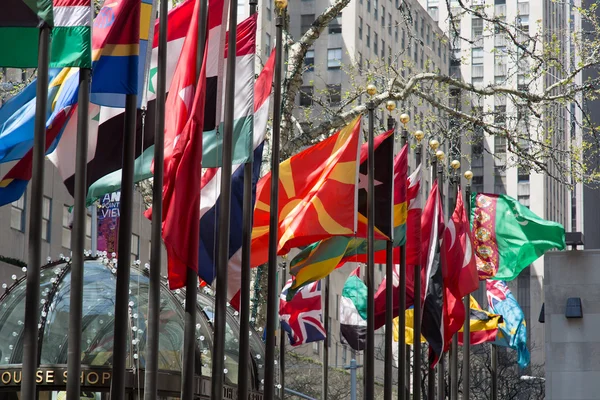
{"x": 72, "y": 34}
{"x": 353, "y": 311}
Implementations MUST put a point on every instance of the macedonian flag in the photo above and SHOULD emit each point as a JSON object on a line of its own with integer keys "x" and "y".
{"x": 317, "y": 195}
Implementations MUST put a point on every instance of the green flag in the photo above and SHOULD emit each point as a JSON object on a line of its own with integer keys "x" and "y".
{"x": 508, "y": 237}
{"x": 20, "y": 21}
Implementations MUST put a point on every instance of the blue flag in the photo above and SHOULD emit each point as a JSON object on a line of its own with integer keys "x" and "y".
{"x": 513, "y": 331}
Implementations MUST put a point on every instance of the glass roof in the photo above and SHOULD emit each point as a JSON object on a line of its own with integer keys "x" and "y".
{"x": 98, "y": 322}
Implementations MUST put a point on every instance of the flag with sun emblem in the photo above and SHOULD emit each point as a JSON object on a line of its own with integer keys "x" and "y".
{"x": 508, "y": 236}
{"x": 317, "y": 195}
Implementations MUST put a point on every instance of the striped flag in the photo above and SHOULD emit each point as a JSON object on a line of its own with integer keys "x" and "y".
{"x": 72, "y": 34}
{"x": 211, "y": 186}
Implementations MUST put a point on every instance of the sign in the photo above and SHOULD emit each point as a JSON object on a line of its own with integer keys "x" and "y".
{"x": 108, "y": 222}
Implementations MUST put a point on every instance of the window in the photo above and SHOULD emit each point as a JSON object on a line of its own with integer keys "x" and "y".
{"x": 269, "y": 11}
{"x": 306, "y": 93}
{"x": 344, "y": 354}
{"x": 309, "y": 60}
{"x": 360, "y": 61}
{"x": 417, "y": 23}
{"x": 403, "y": 42}
{"x": 477, "y": 62}
{"x": 382, "y": 49}
{"x": 376, "y": 9}
{"x": 396, "y": 29}
{"x": 360, "y": 27}
{"x": 375, "y": 43}
{"x": 334, "y": 58}
{"x": 337, "y": 306}
{"x": 477, "y": 29}
{"x": 66, "y": 227}
{"x": 17, "y": 214}
{"x": 390, "y": 25}
{"x": 46, "y": 213}
{"x": 315, "y": 346}
{"x": 422, "y": 61}
{"x": 428, "y": 36}
{"x": 383, "y": 16}
{"x": 267, "y": 44}
{"x": 422, "y": 27}
{"x": 335, "y": 28}
{"x": 416, "y": 54}
{"x": 368, "y": 6}
{"x": 135, "y": 247}
{"x": 306, "y": 21}
{"x": 500, "y": 60}
{"x": 335, "y": 94}
{"x": 368, "y": 36}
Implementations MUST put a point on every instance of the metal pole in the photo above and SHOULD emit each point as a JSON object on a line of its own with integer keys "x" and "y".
{"x": 282, "y": 338}
{"x": 244, "y": 353}
{"x": 32, "y": 290}
{"x": 441, "y": 367}
{"x": 454, "y": 346}
{"x": 224, "y": 214}
{"x": 78, "y": 237}
{"x": 326, "y": 344}
{"x": 417, "y": 312}
{"x": 403, "y": 351}
{"x": 466, "y": 370}
{"x": 121, "y": 329}
{"x": 494, "y": 371}
{"x": 353, "y": 368}
{"x": 151, "y": 374}
{"x": 389, "y": 301}
{"x": 94, "y": 210}
{"x": 369, "y": 392}
{"x": 272, "y": 294}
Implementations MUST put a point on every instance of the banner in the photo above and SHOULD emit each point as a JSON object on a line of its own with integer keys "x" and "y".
{"x": 108, "y": 222}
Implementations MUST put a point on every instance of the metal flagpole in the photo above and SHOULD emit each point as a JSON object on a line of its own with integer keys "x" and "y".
{"x": 441, "y": 367}
{"x": 389, "y": 285}
{"x": 94, "y": 211}
{"x": 224, "y": 214}
{"x": 466, "y": 370}
{"x": 151, "y": 374}
{"x": 455, "y": 164}
{"x": 272, "y": 293}
{"x": 78, "y": 237}
{"x": 244, "y": 353}
{"x": 282, "y": 338}
{"x": 417, "y": 356}
{"x": 369, "y": 391}
{"x": 32, "y": 290}
{"x": 326, "y": 343}
{"x": 121, "y": 329}
{"x": 403, "y": 365}
{"x": 494, "y": 371}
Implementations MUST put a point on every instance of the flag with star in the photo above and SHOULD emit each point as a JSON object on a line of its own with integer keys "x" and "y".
{"x": 317, "y": 195}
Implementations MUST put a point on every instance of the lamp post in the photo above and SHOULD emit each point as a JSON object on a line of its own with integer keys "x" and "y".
{"x": 466, "y": 371}
{"x": 369, "y": 390}
{"x": 419, "y": 135}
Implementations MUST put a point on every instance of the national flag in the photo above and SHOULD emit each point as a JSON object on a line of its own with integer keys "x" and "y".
{"x": 72, "y": 34}
{"x": 319, "y": 259}
{"x": 317, "y": 195}
{"x": 119, "y": 47}
{"x": 353, "y": 311}
{"x": 20, "y": 22}
{"x": 301, "y": 317}
{"x": 211, "y": 186}
{"x": 512, "y": 332}
{"x": 508, "y": 237}
{"x": 483, "y": 325}
{"x": 106, "y": 124}
{"x": 63, "y": 89}
{"x": 432, "y": 228}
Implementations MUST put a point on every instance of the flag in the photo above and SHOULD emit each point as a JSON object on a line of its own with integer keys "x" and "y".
{"x": 483, "y": 325}
{"x": 319, "y": 259}
{"x": 353, "y": 311}
{"x": 72, "y": 34}
{"x": 63, "y": 89}
{"x": 508, "y": 237}
{"x": 20, "y": 22}
{"x": 512, "y": 331}
{"x": 432, "y": 228}
{"x": 106, "y": 124}
{"x": 119, "y": 45}
{"x": 409, "y": 332}
{"x": 211, "y": 186}
{"x": 317, "y": 195}
{"x": 301, "y": 317}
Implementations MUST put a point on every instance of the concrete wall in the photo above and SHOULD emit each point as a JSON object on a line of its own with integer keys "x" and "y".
{"x": 572, "y": 345}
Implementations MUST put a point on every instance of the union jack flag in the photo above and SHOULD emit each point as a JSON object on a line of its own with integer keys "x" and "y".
{"x": 497, "y": 291}
{"x": 301, "y": 317}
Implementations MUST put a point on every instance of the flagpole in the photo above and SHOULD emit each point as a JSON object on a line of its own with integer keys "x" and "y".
{"x": 455, "y": 164}
{"x": 494, "y": 372}
{"x": 244, "y": 353}
{"x": 389, "y": 285}
{"x": 151, "y": 374}
{"x": 282, "y": 341}
{"x": 419, "y": 135}
{"x": 441, "y": 367}
{"x": 272, "y": 293}
{"x": 32, "y": 290}
{"x": 78, "y": 237}
{"x": 403, "y": 351}
{"x": 326, "y": 343}
{"x": 369, "y": 390}
{"x": 466, "y": 370}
